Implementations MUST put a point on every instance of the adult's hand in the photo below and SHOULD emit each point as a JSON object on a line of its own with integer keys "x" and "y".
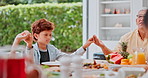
{"x": 98, "y": 42}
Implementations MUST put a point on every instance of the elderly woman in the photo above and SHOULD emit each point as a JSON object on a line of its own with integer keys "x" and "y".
{"x": 135, "y": 39}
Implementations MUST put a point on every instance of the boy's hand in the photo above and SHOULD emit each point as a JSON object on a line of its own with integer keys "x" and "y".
{"x": 98, "y": 42}
{"x": 22, "y": 36}
{"x": 26, "y": 37}
{"x": 29, "y": 40}
{"x": 89, "y": 41}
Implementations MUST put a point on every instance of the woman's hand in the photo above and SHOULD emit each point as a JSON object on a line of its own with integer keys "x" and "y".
{"x": 98, "y": 42}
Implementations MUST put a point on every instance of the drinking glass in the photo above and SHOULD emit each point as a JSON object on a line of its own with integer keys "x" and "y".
{"x": 139, "y": 56}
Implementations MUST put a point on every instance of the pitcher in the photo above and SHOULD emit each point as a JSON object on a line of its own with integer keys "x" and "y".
{"x": 12, "y": 67}
{"x": 139, "y": 56}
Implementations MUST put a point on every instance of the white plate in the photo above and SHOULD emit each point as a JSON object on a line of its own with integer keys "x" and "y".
{"x": 126, "y": 71}
{"x": 118, "y": 65}
{"x": 51, "y": 63}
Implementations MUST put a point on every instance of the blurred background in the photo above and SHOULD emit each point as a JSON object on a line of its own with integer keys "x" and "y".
{"x": 16, "y": 2}
{"x": 18, "y": 15}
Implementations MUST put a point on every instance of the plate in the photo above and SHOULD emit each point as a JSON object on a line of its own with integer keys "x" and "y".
{"x": 116, "y": 66}
{"x": 142, "y": 65}
{"x": 124, "y": 72}
{"x": 52, "y": 64}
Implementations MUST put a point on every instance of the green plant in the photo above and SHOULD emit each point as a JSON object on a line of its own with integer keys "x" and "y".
{"x": 124, "y": 48}
{"x": 67, "y": 18}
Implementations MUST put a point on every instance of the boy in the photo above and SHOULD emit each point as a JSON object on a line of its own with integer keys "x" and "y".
{"x": 42, "y": 34}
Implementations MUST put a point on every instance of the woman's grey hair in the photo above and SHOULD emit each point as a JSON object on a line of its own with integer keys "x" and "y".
{"x": 143, "y": 9}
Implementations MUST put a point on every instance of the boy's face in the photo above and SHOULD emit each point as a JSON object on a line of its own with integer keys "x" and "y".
{"x": 44, "y": 37}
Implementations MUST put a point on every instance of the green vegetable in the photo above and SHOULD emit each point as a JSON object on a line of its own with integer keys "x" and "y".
{"x": 55, "y": 73}
{"x": 130, "y": 56}
{"x": 102, "y": 74}
{"x": 107, "y": 57}
{"x": 45, "y": 66}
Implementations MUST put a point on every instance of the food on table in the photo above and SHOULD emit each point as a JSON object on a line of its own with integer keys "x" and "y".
{"x": 124, "y": 54}
{"x": 94, "y": 76}
{"x": 115, "y": 69}
{"x": 53, "y": 69}
{"x": 130, "y": 56}
{"x": 53, "y": 74}
{"x": 102, "y": 74}
{"x": 112, "y": 55}
{"x": 131, "y": 76}
{"x": 95, "y": 65}
{"x": 124, "y": 48}
{"x": 45, "y": 66}
{"x": 130, "y": 61}
{"x": 117, "y": 59}
{"x": 135, "y": 59}
{"x": 125, "y": 62}
{"x": 114, "y": 58}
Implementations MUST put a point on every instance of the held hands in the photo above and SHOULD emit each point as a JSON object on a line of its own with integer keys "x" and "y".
{"x": 95, "y": 40}
{"x": 88, "y": 42}
{"x": 98, "y": 42}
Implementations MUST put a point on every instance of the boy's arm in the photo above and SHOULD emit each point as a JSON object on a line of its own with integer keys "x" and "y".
{"x": 15, "y": 43}
{"x": 82, "y": 49}
{"x": 26, "y": 36}
{"x": 79, "y": 51}
{"x": 18, "y": 39}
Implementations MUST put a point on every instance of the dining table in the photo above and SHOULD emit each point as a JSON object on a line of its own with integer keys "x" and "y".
{"x": 53, "y": 69}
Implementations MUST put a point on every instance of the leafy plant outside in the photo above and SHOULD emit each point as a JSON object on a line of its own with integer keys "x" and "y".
{"x": 67, "y": 17}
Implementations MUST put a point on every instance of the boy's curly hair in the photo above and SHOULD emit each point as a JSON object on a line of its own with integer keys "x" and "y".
{"x": 41, "y": 25}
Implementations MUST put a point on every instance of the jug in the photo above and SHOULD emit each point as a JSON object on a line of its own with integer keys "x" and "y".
{"x": 139, "y": 56}
{"x": 12, "y": 67}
